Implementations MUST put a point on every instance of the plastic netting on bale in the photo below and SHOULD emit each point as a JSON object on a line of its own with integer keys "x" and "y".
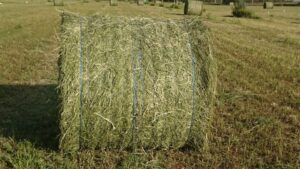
{"x": 131, "y": 83}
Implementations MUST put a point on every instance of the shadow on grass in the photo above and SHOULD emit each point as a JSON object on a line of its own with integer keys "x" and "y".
{"x": 228, "y": 16}
{"x": 178, "y": 14}
{"x": 30, "y": 112}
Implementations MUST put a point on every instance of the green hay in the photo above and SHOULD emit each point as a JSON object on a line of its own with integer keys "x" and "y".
{"x": 128, "y": 59}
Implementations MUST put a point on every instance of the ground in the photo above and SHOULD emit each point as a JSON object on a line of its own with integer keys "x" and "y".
{"x": 256, "y": 120}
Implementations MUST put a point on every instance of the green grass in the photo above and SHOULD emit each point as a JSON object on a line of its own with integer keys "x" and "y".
{"x": 256, "y": 121}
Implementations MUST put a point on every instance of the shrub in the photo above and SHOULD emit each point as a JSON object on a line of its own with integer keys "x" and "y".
{"x": 240, "y": 4}
{"x": 240, "y": 10}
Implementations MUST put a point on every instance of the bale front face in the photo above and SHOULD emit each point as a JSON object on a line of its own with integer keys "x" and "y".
{"x": 268, "y": 5}
{"x": 113, "y": 2}
{"x": 134, "y": 83}
{"x": 195, "y": 7}
{"x": 140, "y": 2}
{"x": 231, "y": 4}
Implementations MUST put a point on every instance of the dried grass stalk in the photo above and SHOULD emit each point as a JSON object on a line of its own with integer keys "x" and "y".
{"x": 139, "y": 87}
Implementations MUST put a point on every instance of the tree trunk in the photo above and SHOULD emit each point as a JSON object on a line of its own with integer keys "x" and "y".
{"x": 186, "y": 7}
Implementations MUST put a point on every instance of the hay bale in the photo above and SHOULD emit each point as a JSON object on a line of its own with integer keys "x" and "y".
{"x": 231, "y": 4}
{"x": 129, "y": 83}
{"x": 268, "y": 5}
{"x": 140, "y": 2}
{"x": 58, "y": 2}
{"x": 113, "y": 2}
{"x": 193, "y": 7}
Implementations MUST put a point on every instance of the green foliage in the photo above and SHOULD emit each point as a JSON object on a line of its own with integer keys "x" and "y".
{"x": 240, "y": 4}
{"x": 240, "y": 10}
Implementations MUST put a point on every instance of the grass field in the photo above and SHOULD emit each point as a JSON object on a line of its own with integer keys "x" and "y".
{"x": 256, "y": 122}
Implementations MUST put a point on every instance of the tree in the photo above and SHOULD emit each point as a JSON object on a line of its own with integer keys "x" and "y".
{"x": 186, "y": 7}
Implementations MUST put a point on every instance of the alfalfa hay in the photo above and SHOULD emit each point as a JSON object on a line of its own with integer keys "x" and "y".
{"x": 130, "y": 83}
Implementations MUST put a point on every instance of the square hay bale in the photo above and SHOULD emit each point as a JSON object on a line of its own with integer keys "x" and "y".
{"x": 131, "y": 83}
{"x": 268, "y": 5}
{"x": 193, "y": 8}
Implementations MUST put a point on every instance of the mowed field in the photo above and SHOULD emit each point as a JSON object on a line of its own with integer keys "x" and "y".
{"x": 256, "y": 120}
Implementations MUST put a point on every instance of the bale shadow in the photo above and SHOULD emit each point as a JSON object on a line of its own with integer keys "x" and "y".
{"x": 228, "y": 16}
{"x": 178, "y": 14}
{"x": 30, "y": 112}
